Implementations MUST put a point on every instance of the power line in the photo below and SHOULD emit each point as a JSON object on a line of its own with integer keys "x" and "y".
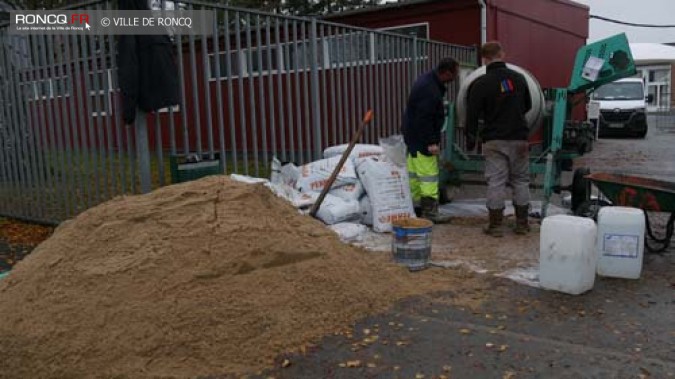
{"x": 630, "y": 23}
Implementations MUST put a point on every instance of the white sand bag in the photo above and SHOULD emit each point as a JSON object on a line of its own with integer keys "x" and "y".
{"x": 287, "y": 174}
{"x": 349, "y": 231}
{"x": 366, "y": 211}
{"x": 275, "y": 174}
{"x": 350, "y": 192}
{"x": 313, "y": 177}
{"x": 248, "y": 179}
{"x": 394, "y": 149}
{"x": 388, "y": 190}
{"x": 296, "y": 198}
{"x": 334, "y": 210}
{"x": 360, "y": 151}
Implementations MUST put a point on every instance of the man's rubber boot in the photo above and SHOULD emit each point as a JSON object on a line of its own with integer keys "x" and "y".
{"x": 418, "y": 208}
{"x": 522, "y": 223}
{"x": 494, "y": 227}
{"x": 430, "y": 211}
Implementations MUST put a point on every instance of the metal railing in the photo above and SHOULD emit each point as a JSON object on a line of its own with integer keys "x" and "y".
{"x": 262, "y": 86}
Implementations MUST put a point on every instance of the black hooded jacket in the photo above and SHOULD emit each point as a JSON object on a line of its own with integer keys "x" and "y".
{"x": 148, "y": 75}
{"x": 501, "y": 98}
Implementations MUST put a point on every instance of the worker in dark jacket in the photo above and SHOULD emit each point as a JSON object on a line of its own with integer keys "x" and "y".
{"x": 501, "y": 98}
{"x": 148, "y": 73}
{"x": 422, "y": 123}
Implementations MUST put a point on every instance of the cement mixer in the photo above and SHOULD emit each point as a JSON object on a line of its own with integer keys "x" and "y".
{"x": 555, "y": 139}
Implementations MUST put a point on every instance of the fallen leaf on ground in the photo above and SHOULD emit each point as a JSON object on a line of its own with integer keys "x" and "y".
{"x": 465, "y": 331}
{"x": 285, "y": 363}
{"x": 353, "y": 364}
{"x": 447, "y": 368}
{"x": 370, "y": 339}
{"x": 509, "y": 375}
{"x": 371, "y": 365}
{"x": 21, "y": 233}
{"x": 419, "y": 376}
{"x": 644, "y": 373}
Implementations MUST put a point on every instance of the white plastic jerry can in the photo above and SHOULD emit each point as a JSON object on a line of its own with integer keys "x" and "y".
{"x": 620, "y": 246}
{"x": 567, "y": 258}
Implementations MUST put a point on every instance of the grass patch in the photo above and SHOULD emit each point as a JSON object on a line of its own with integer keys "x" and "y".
{"x": 61, "y": 185}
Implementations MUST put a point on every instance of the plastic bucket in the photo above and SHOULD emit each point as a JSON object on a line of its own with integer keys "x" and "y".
{"x": 411, "y": 245}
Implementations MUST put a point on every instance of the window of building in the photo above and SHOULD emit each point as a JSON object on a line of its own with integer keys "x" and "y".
{"x": 349, "y": 49}
{"x": 262, "y": 61}
{"x": 658, "y": 82}
{"x": 101, "y": 89}
{"x": 344, "y": 50}
{"x": 420, "y": 30}
{"x": 51, "y": 88}
{"x": 235, "y": 62}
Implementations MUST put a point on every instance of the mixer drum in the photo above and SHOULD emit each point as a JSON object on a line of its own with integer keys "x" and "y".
{"x": 534, "y": 117}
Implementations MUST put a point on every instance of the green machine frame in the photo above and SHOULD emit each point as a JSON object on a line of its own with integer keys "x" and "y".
{"x": 596, "y": 64}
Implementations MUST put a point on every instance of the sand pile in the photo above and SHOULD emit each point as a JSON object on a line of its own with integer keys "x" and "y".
{"x": 207, "y": 277}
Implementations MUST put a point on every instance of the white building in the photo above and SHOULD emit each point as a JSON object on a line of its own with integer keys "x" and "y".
{"x": 655, "y": 64}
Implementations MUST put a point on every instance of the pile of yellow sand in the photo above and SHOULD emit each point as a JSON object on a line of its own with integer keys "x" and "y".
{"x": 207, "y": 277}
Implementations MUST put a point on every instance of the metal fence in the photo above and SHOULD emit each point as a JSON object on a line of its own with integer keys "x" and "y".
{"x": 262, "y": 86}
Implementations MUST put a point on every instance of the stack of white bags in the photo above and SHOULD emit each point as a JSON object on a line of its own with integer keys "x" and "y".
{"x": 371, "y": 188}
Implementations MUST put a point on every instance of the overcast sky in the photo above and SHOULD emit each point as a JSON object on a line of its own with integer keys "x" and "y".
{"x": 637, "y": 11}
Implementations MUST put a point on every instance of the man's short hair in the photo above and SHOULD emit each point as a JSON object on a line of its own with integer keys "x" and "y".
{"x": 447, "y": 65}
{"x": 490, "y": 50}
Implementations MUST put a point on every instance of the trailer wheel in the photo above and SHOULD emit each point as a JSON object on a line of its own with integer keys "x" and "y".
{"x": 581, "y": 187}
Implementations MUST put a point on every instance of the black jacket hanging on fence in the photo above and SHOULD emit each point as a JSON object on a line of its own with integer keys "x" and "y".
{"x": 148, "y": 75}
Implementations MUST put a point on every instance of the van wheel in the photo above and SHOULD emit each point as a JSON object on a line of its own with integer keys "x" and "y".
{"x": 642, "y": 135}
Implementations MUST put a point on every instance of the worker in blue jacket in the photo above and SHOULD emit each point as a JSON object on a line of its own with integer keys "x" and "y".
{"x": 422, "y": 123}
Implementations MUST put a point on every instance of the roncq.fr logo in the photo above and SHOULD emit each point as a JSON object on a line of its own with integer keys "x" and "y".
{"x": 52, "y": 19}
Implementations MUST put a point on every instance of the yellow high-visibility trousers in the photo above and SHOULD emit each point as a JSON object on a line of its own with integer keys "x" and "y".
{"x": 423, "y": 172}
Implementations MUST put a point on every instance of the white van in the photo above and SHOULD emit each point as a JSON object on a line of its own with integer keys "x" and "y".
{"x": 623, "y": 107}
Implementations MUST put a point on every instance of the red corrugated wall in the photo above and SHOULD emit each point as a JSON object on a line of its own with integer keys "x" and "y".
{"x": 542, "y": 36}
{"x": 453, "y": 21}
